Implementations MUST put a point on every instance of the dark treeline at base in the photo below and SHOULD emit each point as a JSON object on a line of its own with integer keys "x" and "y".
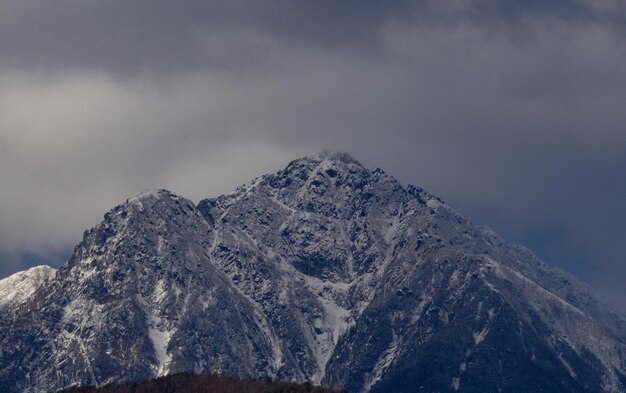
{"x": 210, "y": 383}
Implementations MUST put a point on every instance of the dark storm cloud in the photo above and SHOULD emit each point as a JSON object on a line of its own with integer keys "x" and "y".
{"x": 138, "y": 36}
{"x": 511, "y": 111}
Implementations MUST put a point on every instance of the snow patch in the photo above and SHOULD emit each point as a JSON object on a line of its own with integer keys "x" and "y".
{"x": 569, "y": 368}
{"x": 384, "y": 362}
{"x": 480, "y": 310}
{"x": 337, "y": 320}
{"x": 479, "y": 337}
{"x": 456, "y": 383}
{"x": 158, "y": 333}
{"x": 434, "y": 203}
{"x": 160, "y": 337}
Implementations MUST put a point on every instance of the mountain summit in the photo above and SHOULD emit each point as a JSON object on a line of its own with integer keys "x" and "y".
{"x": 325, "y": 271}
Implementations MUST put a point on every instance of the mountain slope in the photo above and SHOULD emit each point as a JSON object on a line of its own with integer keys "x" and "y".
{"x": 20, "y": 286}
{"x": 325, "y": 271}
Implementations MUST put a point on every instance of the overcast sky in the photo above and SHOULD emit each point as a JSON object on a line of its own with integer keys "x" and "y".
{"x": 513, "y": 112}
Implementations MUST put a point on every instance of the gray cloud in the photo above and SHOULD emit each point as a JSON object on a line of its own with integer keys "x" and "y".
{"x": 129, "y": 38}
{"x": 511, "y": 113}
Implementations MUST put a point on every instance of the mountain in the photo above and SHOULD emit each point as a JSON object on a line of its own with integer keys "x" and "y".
{"x": 325, "y": 271}
{"x": 20, "y": 286}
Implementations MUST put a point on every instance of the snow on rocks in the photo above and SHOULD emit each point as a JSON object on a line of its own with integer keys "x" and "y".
{"x": 20, "y": 286}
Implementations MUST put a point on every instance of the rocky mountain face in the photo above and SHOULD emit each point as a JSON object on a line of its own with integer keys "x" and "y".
{"x": 325, "y": 272}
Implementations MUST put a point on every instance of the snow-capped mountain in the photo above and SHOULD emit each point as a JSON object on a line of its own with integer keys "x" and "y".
{"x": 325, "y": 271}
{"x": 20, "y": 286}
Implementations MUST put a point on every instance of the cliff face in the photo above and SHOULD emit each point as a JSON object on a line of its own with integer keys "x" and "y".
{"x": 325, "y": 272}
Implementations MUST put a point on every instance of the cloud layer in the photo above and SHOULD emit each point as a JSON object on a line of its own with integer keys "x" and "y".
{"x": 512, "y": 112}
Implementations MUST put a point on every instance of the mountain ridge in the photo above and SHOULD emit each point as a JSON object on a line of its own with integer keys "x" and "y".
{"x": 19, "y": 286}
{"x": 324, "y": 271}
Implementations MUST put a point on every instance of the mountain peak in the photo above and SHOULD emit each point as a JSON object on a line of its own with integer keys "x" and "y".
{"x": 158, "y": 193}
{"x": 151, "y": 199}
{"x": 19, "y": 286}
{"x": 328, "y": 159}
